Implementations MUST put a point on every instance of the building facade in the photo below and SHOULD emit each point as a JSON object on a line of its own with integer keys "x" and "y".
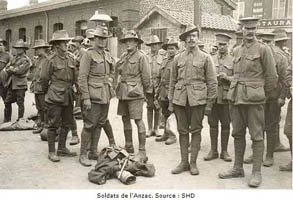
{"x": 169, "y": 19}
{"x": 273, "y": 14}
{"x": 40, "y": 20}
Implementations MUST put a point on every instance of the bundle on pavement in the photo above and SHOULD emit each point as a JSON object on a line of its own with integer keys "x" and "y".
{"x": 115, "y": 162}
{"x": 21, "y": 124}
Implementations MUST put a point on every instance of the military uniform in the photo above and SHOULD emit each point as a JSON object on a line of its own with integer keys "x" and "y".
{"x": 153, "y": 108}
{"x": 220, "y": 110}
{"x": 4, "y": 60}
{"x": 134, "y": 82}
{"x": 57, "y": 80}
{"x": 95, "y": 81}
{"x": 193, "y": 85}
{"x": 254, "y": 78}
{"x": 17, "y": 82}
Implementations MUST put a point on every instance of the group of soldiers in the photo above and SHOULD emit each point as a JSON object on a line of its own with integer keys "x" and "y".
{"x": 247, "y": 88}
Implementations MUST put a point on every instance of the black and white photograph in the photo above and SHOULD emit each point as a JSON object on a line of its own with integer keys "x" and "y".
{"x": 145, "y": 99}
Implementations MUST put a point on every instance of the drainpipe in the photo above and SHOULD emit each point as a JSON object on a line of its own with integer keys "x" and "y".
{"x": 47, "y": 26}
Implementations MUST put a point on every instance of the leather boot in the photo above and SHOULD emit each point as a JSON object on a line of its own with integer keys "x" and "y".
{"x": 237, "y": 170}
{"x": 150, "y": 123}
{"x": 20, "y": 110}
{"x": 141, "y": 155}
{"x": 258, "y": 150}
{"x": 248, "y": 160}
{"x": 7, "y": 113}
{"x": 213, "y": 154}
{"x": 195, "y": 143}
{"x": 171, "y": 138}
{"x": 163, "y": 137}
{"x": 51, "y": 146}
{"x": 269, "y": 160}
{"x": 93, "y": 154}
{"x": 156, "y": 123}
{"x": 279, "y": 147}
{"x": 225, "y": 133}
{"x": 53, "y": 157}
{"x": 109, "y": 132}
{"x": 286, "y": 168}
{"x": 85, "y": 138}
{"x": 184, "y": 164}
{"x": 74, "y": 139}
{"x": 128, "y": 141}
{"x": 62, "y": 150}
{"x": 38, "y": 130}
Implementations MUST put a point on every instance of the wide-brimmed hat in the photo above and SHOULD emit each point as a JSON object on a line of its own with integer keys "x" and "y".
{"x": 100, "y": 17}
{"x": 131, "y": 35}
{"x": 102, "y": 31}
{"x": 280, "y": 34}
{"x": 190, "y": 28}
{"x": 154, "y": 40}
{"x": 77, "y": 39}
{"x": 60, "y": 35}
{"x": 3, "y": 41}
{"x": 41, "y": 44}
{"x": 90, "y": 33}
{"x": 170, "y": 42}
{"x": 20, "y": 44}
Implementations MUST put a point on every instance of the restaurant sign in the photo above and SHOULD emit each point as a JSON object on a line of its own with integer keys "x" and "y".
{"x": 266, "y": 23}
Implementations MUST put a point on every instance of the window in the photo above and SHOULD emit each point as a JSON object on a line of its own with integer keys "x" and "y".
{"x": 113, "y": 25}
{"x": 80, "y": 27}
{"x": 8, "y": 38}
{"x": 57, "y": 26}
{"x": 240, "y": 10}
{"x": 22, "y": 34}
{"x": 160, "y": 32}
{"x": 38, "y": 32}
{"x": 279, "y": 9}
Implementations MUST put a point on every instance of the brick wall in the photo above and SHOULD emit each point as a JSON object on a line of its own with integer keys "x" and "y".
{"x": 126, "y": 11}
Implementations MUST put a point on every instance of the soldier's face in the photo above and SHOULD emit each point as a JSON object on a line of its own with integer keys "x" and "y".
{"x": 40, "y": 51}
{"x": 62, "y": 45}
{"x": 155, "y": 47}
{"x": 92, "y": 42}
{"x": 2, "y": 47}
{"x": 249, "y": 32}
{"x": 100, "y": 42}
{"x": 19, "y": 51}
{"x": 192, "y": 39}
{"x": 171, "y": 50}
{"x": 131, "y": 44}
{"x": 223, "y": 48}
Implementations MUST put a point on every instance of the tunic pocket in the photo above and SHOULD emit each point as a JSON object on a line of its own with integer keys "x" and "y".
{"x": 96, "y": 91}
{"x": 133, "y": 89}
{"x": 199, "y": 92}
{"x": 177, "y": 92}
{"x": 254, "y": 92}
{"x": 56, "y": 94}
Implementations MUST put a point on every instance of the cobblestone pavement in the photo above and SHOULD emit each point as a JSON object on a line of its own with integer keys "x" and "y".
{"x": 24, "y": 163}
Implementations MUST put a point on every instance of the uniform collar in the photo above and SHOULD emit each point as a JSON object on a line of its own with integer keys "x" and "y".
{"x": 193, "y": 50}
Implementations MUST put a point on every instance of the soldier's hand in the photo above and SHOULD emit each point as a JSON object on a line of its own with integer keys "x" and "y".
{"x": 208, "y": 111}
{"x": 87, "y": 104}
{"x": 281, "y": 102}
{"x": 171, "y": 108}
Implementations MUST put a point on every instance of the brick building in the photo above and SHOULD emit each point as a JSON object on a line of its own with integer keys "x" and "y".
{"x": 273, "y": 14}
{"x": 40, "y": 20}
{"x": 169, "y": 19}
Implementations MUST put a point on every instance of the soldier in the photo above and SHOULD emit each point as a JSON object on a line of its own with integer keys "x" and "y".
{"x": 40, "y": 51}
{"x": 17, "y": 81}
{"x": 135, "y": 80}
{"x": 201, "y": 45}
{"x": 57, "y": 80}
{"x": 220, "y": 110}
{"x": 214, "y": 50}
{"x": 5, "y": 58}
{"x": 193, "y": 89}
{"x": 153, "y": 109}
{"x": 274, "y": 102}
{"x": 95, "y": 80}
{"x": 254, "y": 78}
{"x": 288, "y": 122}
{"x": 281, "y": 40}
{"x": 163, "y": 81}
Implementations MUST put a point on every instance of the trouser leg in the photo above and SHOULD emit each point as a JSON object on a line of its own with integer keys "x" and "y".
{"x": 109, "y": 132}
